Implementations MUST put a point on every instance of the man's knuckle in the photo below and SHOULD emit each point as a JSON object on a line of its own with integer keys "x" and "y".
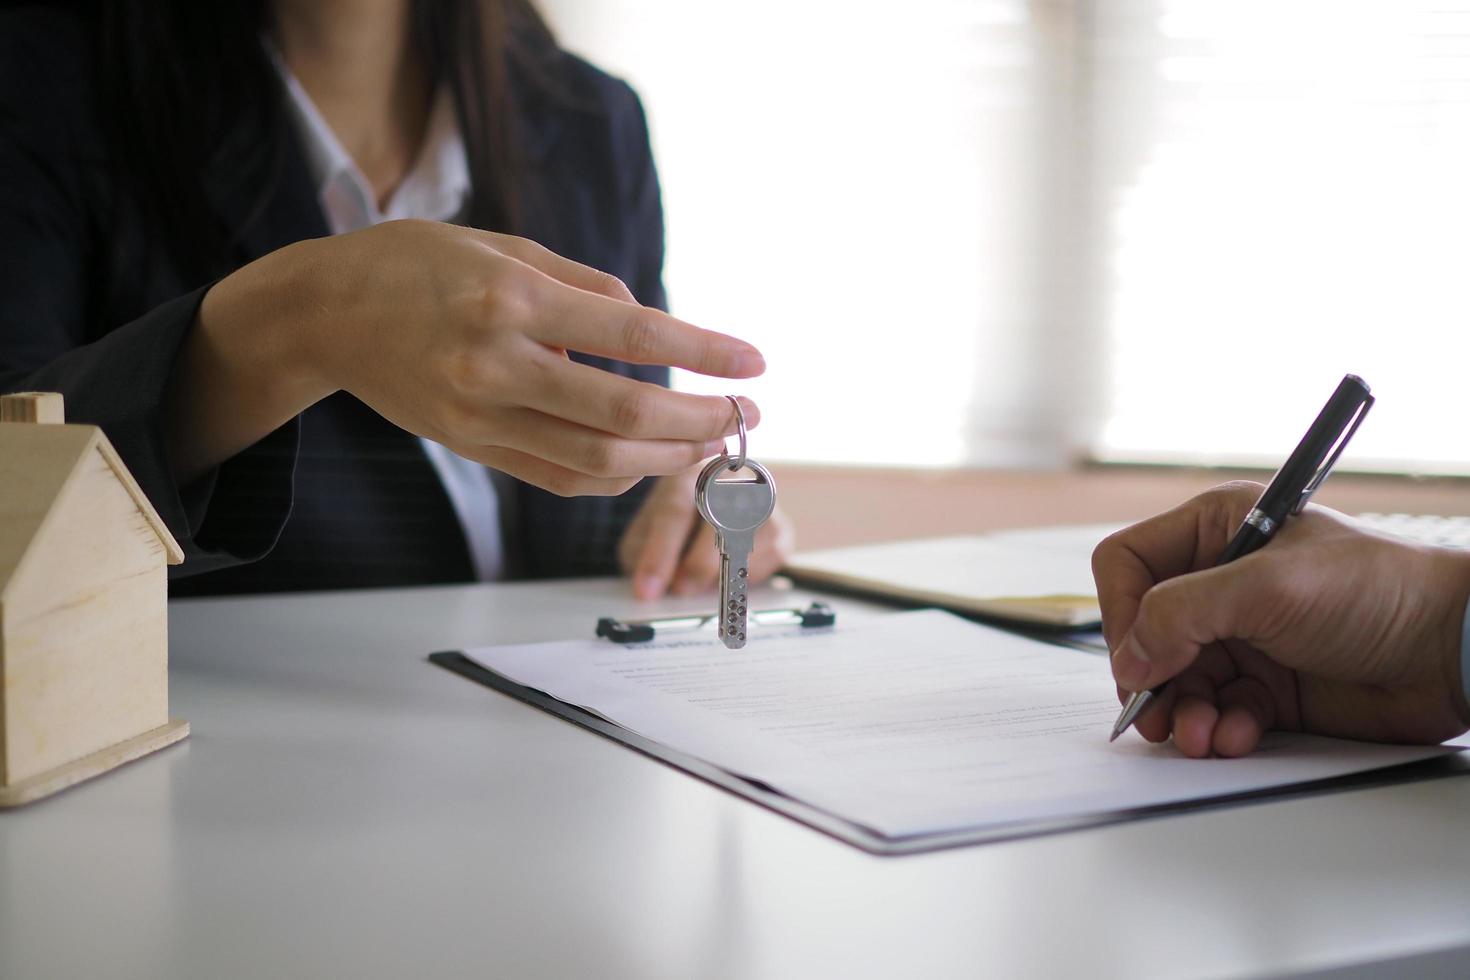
{"x": 1235, "y": 492}
{"x": 1102, "y": 554}
{"x": 1276, "y": 580}
{"x": 1157, "y": 610}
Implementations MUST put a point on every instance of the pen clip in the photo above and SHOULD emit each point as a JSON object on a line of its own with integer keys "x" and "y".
{"x": 1338, "y": 447}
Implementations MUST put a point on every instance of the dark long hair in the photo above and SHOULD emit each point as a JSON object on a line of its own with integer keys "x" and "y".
{"x": 186, "y": 88}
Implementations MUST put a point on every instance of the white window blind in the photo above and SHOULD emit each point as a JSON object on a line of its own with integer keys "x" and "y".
{"x": 1284, "y": 191}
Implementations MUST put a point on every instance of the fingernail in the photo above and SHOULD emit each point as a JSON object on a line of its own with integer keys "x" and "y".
{"x": 648, "y": 586}
{"x": 1130, "y": 664}
{"x": 749, "y": 363}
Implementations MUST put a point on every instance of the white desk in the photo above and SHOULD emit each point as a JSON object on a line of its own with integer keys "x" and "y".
{"x": 346, "y": 809}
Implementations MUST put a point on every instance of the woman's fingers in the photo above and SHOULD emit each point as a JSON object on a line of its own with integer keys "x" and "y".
{"x": 666, "y": 523}
{"x": 669, "y": 548}
{"x": 590, "y": 451}
{"x": 548, "y": 476}
{"x": 633, "y": 409}
{"x": 774, "y": 543}
{"x": 563, "y": 270}
{"x": 598, "y": 315}
{"x": 575, "y": 319}
{"x": 699, "y": 571}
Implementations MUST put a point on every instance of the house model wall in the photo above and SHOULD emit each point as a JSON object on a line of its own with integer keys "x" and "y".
{"x": 83, "y": 605}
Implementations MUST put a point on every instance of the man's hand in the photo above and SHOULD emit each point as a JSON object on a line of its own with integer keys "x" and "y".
{"x": 1328, "y": 629}
{"x": 670, "y": 548}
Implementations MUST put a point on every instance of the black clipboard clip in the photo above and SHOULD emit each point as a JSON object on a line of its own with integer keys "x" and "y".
{"x": 645, "y": 630}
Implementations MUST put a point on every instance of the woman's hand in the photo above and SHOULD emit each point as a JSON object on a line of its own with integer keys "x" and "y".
{"x": 460, "y": 336}
{"x": 669, "y": 548}
{"x": 1328, "y": 629}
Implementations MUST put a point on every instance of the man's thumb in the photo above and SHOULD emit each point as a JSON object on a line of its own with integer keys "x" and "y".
{"x": 1176, "y": 619}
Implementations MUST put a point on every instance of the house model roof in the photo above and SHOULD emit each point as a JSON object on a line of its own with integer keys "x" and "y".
{"x": 37, "y": 462}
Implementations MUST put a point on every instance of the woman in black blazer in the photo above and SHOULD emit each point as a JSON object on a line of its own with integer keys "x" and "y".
{"x": 166, "y": 263}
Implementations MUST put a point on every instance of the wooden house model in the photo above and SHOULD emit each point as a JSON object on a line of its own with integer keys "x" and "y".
{"x": 83, "y": 605}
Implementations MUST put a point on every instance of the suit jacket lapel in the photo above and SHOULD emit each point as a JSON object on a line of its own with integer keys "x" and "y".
{"x": 263, "y": 214}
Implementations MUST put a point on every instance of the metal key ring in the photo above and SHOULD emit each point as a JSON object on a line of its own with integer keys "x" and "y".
{"x": 740, "y": 428}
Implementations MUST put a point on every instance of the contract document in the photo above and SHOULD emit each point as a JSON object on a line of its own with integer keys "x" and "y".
{"x": 911, "y": 724}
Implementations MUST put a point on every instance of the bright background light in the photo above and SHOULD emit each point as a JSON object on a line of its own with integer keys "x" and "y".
{"x": 1288, "y": 198}
{"x": 990, "y": 232}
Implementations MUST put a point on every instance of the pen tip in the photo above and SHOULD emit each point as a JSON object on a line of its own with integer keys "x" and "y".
{"x": 1114, "y": 737}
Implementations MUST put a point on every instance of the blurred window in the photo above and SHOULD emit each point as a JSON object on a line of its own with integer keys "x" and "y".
{"x": 1284, "y": 187}
{"x": 1019, "y": 231}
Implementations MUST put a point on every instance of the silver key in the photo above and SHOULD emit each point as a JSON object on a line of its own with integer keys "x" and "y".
{"x": 736, "y": 509}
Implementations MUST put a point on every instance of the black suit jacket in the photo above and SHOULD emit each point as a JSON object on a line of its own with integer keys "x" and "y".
{"x": 91, "y": 306}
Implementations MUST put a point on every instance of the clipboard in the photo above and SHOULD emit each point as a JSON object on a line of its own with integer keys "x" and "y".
{"x": 869, "y": 840}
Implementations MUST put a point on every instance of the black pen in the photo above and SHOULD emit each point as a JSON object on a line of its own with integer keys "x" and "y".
{"x": 1289, "y": 491}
